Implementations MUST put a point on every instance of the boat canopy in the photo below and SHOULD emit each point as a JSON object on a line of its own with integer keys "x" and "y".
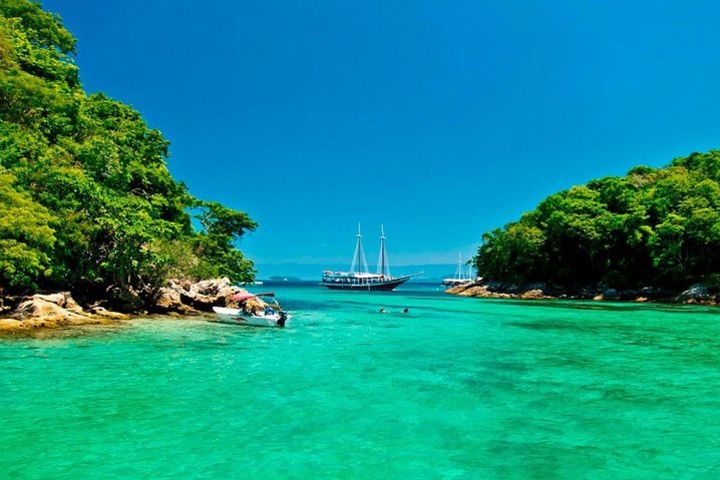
{"x": 245, "y": 296}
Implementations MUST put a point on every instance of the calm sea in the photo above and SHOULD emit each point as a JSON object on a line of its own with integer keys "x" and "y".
{"x": 456, "y": 388}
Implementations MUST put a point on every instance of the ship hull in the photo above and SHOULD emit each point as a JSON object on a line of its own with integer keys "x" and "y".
{"x": 454, "y": 282}
{"x": 385, "y": 286}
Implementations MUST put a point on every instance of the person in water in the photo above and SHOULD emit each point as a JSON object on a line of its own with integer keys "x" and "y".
{"x": 405, "y": 310}
{"x": 382, "y": 310}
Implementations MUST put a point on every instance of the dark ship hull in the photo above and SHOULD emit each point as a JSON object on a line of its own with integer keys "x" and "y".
{"x": 359, "y": 279}
{"x": 382, "y": 285}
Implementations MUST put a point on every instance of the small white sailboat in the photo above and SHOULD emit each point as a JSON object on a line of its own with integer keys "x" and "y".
{"x": 271, "y": 315}
{"x": 460, "y": 278}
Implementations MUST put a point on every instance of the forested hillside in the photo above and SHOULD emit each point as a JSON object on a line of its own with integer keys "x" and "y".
{"x": 86, "y": 200}
{"x": 651, "y": 227}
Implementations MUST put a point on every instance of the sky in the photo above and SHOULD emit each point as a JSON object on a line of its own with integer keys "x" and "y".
{"x": 440, "y": 120}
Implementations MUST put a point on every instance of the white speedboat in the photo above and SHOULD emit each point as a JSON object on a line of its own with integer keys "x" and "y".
{"x": 235, "y": 316}
{"x": 272, "y": 315}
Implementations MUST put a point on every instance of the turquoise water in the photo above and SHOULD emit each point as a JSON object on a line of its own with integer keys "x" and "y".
{"x": 457, "y": 388}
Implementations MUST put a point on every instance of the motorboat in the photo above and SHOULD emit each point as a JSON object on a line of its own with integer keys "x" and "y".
{"x": 257, "y": 310}
{"x": 235, "y": 316}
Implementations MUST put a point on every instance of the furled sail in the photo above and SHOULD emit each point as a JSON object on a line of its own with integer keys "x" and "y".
{"x": 359, "y": 259}
{"x": 383, "y": 265}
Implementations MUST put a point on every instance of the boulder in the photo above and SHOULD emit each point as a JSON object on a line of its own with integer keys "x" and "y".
{"x": 697, "y": 293}
{"x": 168, "y": 300}
{"x": 653, "y": 293}
{"x": 533, "y": 294}
{"x": 9, "y": 324}
{"x": 54, "y": 310}
{"x": 202, "y": 295}
{"x": 125, "y": 299}
{"x": 50, "y": 311}
{"x": 611, "y": 294}
{"x": 105, "y": 313}
{"x": 457, "y": 289}
{"x": 474, "y": 291}
{"x": 61, "y": 299}
{"x": 53, "y": 305}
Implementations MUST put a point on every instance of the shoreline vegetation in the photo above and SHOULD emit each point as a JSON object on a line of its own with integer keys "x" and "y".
{"x": 87, "y": 203}
{"x": 653, "y": 234}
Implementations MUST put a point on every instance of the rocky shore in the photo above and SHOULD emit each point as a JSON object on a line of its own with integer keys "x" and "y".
{"x": 58, "y": 310}
{"x": 696, "y": 294}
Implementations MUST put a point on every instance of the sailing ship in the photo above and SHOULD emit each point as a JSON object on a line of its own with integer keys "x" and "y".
{"x": 359, "y": 277}
{"x": 460, "y": 278}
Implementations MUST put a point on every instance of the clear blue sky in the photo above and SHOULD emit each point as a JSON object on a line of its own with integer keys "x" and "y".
{"x": 440, "y": 119}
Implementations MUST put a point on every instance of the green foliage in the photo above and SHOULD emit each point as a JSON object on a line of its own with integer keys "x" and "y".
{"x": 26, "y": 237}
{"x": 222, "y": 226}
{"x": 658, "y": 226}
{"x": 88, "y": 201}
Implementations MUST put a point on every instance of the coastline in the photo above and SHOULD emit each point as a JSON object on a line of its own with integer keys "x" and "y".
{"x": 24, "y": 315}
{"x": 696, "y": 294}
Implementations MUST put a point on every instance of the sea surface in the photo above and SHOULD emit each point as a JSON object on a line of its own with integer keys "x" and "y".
{"x": 456, "y": 388}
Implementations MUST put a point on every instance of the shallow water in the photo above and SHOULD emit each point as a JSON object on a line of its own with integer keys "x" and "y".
{"x": 457, "y": 388}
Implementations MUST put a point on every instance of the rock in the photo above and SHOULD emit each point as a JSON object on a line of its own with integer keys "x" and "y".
{"x": 476, "y": 291}
{"x": 54, "y": 310}
{"x": 168, "y": 300}
{"x": 202, "y": 295}
{"x": 61, "y": 299}
{"x": 125, "y": 299}
{"x": 585, "y": 293}
{"x": 533, "y": 294}
{"x": 54, "y": 305}
{"x": 9, "y": 324}
{"x": 697, "y": 293}
{"x": 611, "y": 294}
{"x": 49, "y": 311}
{"x": 105, "y": 313}
{"x": 496, "y": 286}
{"x": 457, "y": 289}
{"x": 654, "y": 293}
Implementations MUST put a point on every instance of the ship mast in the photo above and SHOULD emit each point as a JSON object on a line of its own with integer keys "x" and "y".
{"x": 459, "y": 273}
{"x": 359, "y": 255}
{"x": 383, "y": 267}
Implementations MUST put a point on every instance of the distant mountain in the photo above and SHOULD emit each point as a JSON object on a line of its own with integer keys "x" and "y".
{"x": 310, "y": 271}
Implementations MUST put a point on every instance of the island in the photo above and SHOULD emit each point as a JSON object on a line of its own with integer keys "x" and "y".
{"x": 91, "y": 221}
{"x": 653, "y": 234}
